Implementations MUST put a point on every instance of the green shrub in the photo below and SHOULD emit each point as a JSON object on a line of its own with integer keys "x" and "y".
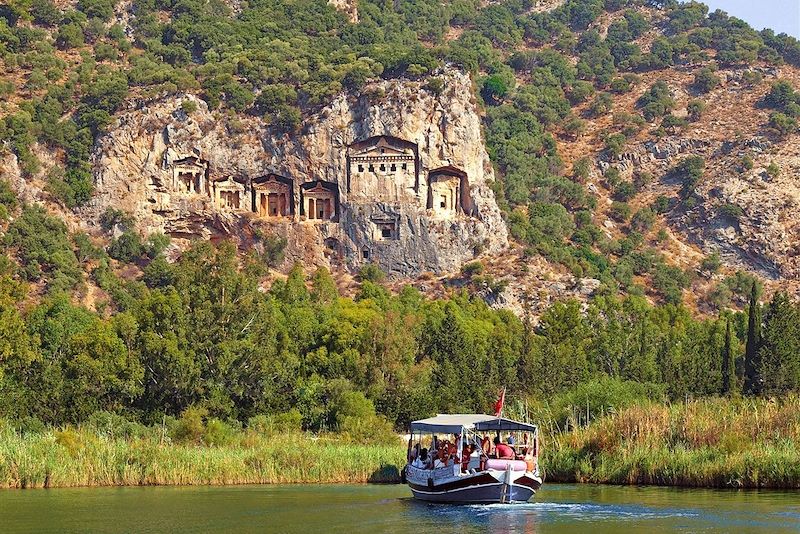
{"x": 643, "y": 220}
{"x": 371, "y": 273}
{"x": 695, "y": 109}
{"x": 782, "y": 124}
{"x": 712, "y": 262}
{"x": 620, "y": 211}
{"x": 669, "y": 282}
{"x": 773, "y": 170}
{"x": 44, "y": 248}
{"x": 689, "y": 171}
{"x": 155, "y": 245}
{"x": 112, "y": 217}
{"x": 706, "y": 80}
{"x": 624, "y": 191}
{"x": 190, "y": 427}
{"x": 732, "y": 211}
{"x": 657, "y": 101}
{"x": 600, "y": 397}
{"x": 188, "y": 106}
{"x": 615, "y": 144}
{"x": 126, "y": 247}
{"x": 468, "y": 270}
{"x": 218, "y": 433}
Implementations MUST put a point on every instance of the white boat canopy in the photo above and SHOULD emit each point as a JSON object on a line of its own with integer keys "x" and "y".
{"x": 453, "y": 423}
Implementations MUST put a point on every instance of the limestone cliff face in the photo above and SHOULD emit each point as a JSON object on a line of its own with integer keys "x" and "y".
{"x": 398, "y": 175}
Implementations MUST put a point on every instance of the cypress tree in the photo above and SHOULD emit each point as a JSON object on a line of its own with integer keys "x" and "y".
{"x": 780, "y": 346}
{"x": 752, "y": 365}
{"x": 728, "y": 364}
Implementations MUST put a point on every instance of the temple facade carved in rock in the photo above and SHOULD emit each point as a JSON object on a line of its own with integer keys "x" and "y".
{"x": 190, "y": 175}
{"x": 380, "y": 171}
{"x": 273, "y": 196}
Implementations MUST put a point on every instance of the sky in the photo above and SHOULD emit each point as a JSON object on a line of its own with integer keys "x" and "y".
{"x": 783, "y": 16}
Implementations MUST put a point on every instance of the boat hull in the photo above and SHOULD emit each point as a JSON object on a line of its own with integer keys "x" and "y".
{"x": 479, "y": 490}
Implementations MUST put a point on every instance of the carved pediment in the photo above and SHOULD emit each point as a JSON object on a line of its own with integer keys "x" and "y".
{"x": 383, "y": 146}
{"x": 228, "y": 183}
{"x": 190, "y": 162}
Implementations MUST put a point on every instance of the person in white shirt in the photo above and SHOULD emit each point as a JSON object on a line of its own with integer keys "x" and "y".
{"x": 421, "y": 461}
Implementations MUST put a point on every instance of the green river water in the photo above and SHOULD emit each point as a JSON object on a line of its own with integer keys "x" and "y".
{"x": 389, "y": 508}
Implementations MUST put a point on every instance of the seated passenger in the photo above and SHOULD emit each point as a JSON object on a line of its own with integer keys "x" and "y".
{"x": 413, "y": 454}
{"x": 530, "y": 461}
{"x": 511, "y": 441}
{"x": 421, "y": 461}
{"x": 439, "y": 462}
{"x": 452, "y": 449}
{"x": 503, "y": 451}
{"x": 464, "y": 459}
{"x": 441, "y": 456}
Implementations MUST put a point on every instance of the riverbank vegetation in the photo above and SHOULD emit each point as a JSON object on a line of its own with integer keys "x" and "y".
{"x": 742, "y": 443}
{"x": 602, "y": 432}
{"x": 109, "y": 451}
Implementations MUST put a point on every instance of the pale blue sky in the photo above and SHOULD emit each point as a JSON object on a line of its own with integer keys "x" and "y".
{"x": 783, "y": 16}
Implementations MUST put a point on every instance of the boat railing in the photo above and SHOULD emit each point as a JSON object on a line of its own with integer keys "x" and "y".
{"x": 439, "y": 473}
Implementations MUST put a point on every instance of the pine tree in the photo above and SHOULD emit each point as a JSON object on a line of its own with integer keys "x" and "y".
{"x": 728, "y": 364}
{"x": 752, "y": 365}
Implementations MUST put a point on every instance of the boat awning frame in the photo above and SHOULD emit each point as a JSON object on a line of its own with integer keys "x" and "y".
{"x": 454, "y": 423}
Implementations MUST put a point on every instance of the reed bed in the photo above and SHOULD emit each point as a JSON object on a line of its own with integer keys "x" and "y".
{"x": 82, "y": 458}
{"x": 743, "y": 443}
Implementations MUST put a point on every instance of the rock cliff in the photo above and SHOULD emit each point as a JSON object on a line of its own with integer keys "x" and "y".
{"x": 396, "y": 175}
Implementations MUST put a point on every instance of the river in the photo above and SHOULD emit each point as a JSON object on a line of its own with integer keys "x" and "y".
{"x": 378, "y": 508}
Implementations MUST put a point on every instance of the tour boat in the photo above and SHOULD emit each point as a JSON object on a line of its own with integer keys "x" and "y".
{"x": 472, "y": 477}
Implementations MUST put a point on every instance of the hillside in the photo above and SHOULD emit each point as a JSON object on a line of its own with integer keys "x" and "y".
{"x": 589, "y": 111}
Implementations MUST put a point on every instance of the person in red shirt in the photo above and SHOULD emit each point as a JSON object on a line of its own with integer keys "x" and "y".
{"x": 503, "y": 451}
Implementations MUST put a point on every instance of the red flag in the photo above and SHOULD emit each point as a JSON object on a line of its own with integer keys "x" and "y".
{"x": 498, "y": 406}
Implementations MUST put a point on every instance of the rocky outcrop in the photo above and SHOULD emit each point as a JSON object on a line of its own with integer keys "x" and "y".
{"x": 348, "y": 7}
{"x": 201, "y": 175}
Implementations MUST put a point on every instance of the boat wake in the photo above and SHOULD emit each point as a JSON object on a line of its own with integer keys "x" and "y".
{"x": 581, "y": 511}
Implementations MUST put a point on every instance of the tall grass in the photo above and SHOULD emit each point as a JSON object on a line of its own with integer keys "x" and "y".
{"x": 83, "y": 458}
{"x": 712, "y": 442}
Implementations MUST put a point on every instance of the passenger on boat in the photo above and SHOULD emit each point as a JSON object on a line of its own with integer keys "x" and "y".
{"x": 467, "y": 454}
{"x": 530, "y": 461}
{"x": 486, "y": 445}
{"x": 413, "y": 454}
{"x": 502, "y": 451}
{"x": 421, "y": 461}
{"x": 452, "y": 449}
{"x": 442, "y": 454}
{"x": 511, "y": 441}
{"x": 440, "y": 462}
